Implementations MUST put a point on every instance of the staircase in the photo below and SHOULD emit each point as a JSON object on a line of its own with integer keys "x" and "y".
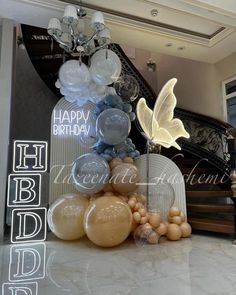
{"x": 205, "y": 155}
{"x": 208, "y": 193}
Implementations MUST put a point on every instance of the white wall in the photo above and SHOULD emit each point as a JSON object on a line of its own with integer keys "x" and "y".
{"x": 6, "y": 64}
{"x": 225, "y": 69}
{"x": 198, "y": 83}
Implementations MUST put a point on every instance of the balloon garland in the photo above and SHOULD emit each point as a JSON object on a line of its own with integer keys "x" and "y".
{"x": 109, "y": 205}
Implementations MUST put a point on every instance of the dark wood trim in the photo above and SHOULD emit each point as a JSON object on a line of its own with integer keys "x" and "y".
{"x": 209, "y": 194}
{"x": 216, "y": 208}
{"x": 214, "y": 225}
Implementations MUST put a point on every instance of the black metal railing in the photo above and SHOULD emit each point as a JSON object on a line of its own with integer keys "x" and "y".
{"x": 208, "y": 136}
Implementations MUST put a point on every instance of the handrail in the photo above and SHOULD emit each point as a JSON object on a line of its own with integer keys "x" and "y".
{"x": 208, "y": 136}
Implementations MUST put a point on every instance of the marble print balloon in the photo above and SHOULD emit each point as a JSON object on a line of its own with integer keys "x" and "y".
{"x": 113, "y": 126}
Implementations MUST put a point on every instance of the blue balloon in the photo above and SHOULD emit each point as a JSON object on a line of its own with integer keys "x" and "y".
{"x": 132, "y": 116}
{"x": 127, "y": 108}
{"x": 113, "y": 126}
{"x": 90, "y": 173}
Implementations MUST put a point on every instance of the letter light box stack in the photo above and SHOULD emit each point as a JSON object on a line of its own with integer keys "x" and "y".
{"x": 27, "y": 190}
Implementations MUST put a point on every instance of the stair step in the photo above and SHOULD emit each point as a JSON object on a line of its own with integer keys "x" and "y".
{"x": 190, "y": 161}
{"x": 226, "y": 208}
{"x": 199, "y": 170}
{"x": 209, "y": 194}
{"x": 214, "y": 225}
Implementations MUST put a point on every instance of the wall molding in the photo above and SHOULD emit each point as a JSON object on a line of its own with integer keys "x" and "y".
{"x": 141, "y": 24}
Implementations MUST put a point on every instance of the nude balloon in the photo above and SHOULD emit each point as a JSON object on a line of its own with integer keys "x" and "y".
{"x": 65, "y": 216}
{"x": 124, "y": 178}
{"x": 108, "y": 221}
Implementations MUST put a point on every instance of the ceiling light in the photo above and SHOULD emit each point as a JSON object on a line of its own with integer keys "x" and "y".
{"x": 69, "y": 32}
{"x": 151, "y": 65}
{"x": 154, "y": 12}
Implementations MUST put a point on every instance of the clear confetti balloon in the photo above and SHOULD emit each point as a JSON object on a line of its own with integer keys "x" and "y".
{"x": 161, "y": 196}
{"x": 88, "y": 137}
{"x": 127, "y": 87}
{"x": 90, "y": 173}
{"x": 74, "y": 75}
{"x": 113, "y": 126}
{"x": 105, "y": 67}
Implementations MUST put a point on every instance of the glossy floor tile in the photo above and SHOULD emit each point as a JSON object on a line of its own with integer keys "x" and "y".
{"x": 197, "y": 266}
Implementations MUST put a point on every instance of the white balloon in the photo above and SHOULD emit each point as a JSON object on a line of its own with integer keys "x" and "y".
{"x": 92, "y": 86}
{"x": 101, "y": 90}
{"x": 81, "y": 102}
{"x": 58, "y": 84}
{"x": 71, "y": 98}
{"x": 64, "y": 91}
{"x": 74, "y": 75}
{"x": 105, "y": 67}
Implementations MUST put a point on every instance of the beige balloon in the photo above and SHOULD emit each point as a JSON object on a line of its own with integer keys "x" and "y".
{"x": 124, "y": 178}
{"x": 65, "y": 216}
{"x": 162, "y": 229}
{"x": 173, "y": 232}
{"x": 186, "y": 229}
{"x": 108, "y": 221}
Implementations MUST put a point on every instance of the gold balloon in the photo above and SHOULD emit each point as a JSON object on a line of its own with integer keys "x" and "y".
{"x": 124, "y": 178}
{"x": 65, "y": 216}
{"x": 108, "y": 221}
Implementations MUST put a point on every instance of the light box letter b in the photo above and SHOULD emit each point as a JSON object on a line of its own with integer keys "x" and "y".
{"x": 24, "y": 190}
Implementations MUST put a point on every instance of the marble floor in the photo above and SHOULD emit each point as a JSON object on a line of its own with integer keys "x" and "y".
{"x": 197, "y": 266}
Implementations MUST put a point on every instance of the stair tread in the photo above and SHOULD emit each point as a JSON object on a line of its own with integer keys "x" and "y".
{"x": 215, "y": 225}
{"x": 197, "y": 170}
{"x": 182, "y": 162}
{"x": 206, "y": 194}
{"x": 218, "y": 208}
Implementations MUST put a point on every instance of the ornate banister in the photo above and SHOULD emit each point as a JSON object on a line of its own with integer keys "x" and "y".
{"x": 208, "y": 136}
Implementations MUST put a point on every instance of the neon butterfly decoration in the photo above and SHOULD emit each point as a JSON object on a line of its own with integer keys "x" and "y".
{"x": 158, "y": 125}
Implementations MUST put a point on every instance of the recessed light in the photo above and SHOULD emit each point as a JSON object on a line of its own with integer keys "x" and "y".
{"x": 154, "y": 12}
{"x": 181, "y": 48}
{"x": 169, "y": 44}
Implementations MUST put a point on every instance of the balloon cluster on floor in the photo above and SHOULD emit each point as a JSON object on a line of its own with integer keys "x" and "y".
{"x": 108, "y": 214}
{"x": 109, "y": 205}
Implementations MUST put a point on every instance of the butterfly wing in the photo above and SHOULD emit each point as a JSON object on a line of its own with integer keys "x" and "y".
{"x": 165, "y": 104}
{"x": 163, "y": 114}
{"x": 145, "y": 114}
{"x": 176, "y": 129}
